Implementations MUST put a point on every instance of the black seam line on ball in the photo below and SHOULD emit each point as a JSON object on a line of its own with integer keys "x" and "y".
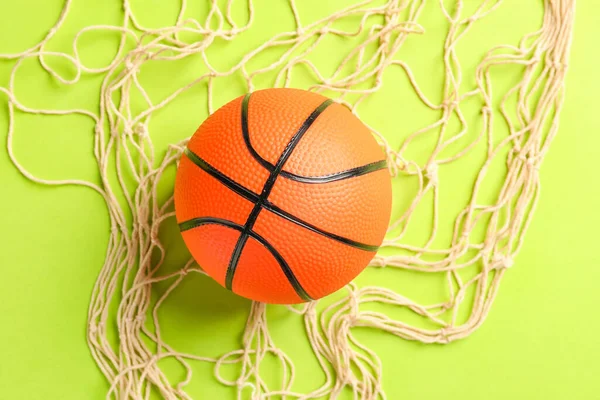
{"x": 292, "y": 218}
{"x": 246, "y": 135}
{"x": 224, "y": 179}
{"x": 268, "y": 186}
{"x": 253, "y": 197}
{"x": 350, "y": 173}
{"x": 338, "y": 176}
{"x": 196, "y": 222}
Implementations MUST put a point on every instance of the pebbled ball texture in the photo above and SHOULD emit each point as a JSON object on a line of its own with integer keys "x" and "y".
{"x": 294, "y": 210}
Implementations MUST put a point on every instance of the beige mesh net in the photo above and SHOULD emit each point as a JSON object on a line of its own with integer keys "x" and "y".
{"x": 483, "y": 238}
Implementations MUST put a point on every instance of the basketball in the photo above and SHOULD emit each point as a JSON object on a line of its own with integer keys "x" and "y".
{"x": 283, "y": 196}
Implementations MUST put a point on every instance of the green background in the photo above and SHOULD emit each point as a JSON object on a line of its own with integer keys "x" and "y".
{"x": 540, "y": 341}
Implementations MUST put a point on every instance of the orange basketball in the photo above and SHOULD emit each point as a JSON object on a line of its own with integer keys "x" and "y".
{"x": 283, "y": 196}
